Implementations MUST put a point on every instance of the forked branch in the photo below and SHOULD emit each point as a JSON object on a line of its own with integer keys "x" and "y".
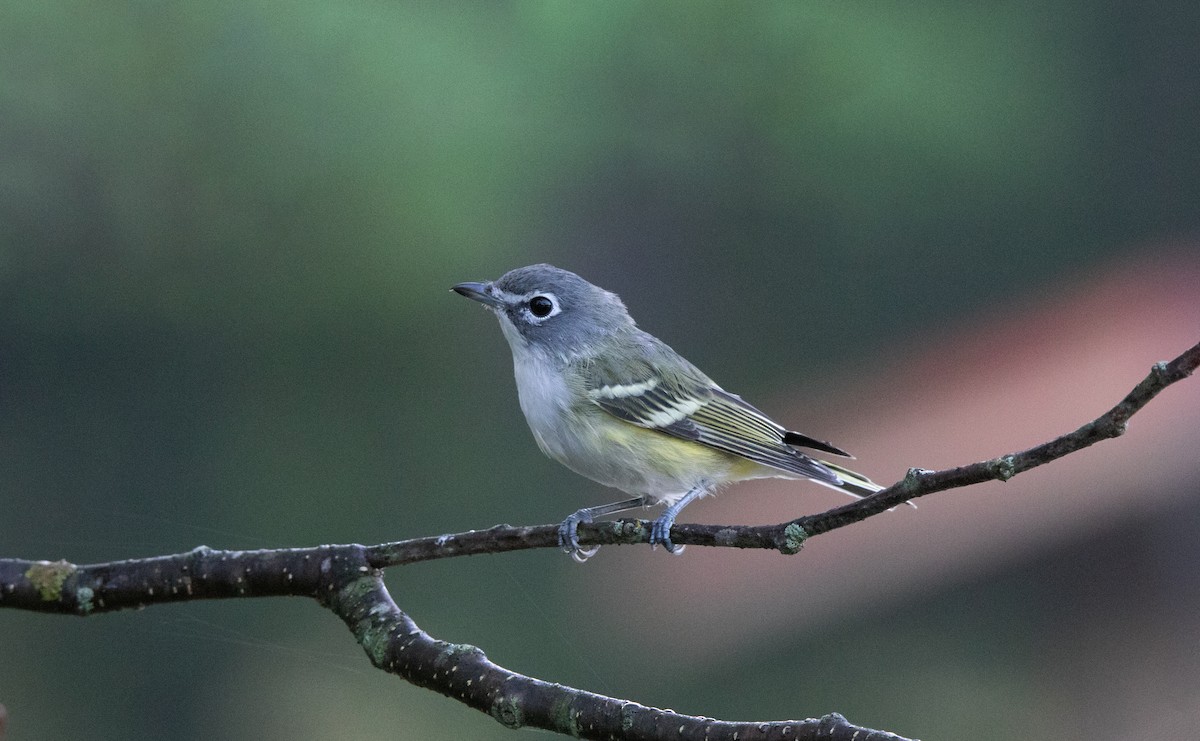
{"x": 347, "y": 579}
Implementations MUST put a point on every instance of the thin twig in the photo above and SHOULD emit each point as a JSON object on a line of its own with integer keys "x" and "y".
{"x": 787, "y": 537}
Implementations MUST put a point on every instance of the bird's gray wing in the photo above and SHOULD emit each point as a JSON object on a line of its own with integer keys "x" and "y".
{"x": 670, "y": 395}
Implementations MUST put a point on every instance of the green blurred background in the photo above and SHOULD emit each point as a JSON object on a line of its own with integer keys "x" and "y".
{"x": 227, "y": 230}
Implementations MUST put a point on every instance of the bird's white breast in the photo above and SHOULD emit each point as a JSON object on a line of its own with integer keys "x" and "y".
{"x": 543, "y": 392}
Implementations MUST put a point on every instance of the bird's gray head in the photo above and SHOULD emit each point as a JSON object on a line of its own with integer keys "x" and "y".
{"x": 549, "y": 308}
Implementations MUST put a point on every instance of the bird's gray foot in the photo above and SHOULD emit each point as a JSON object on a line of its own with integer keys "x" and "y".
{"x": 568, "y": 531}
{"x": 568, "y": 536}
{"x": 660, "y": 533}
{"x": 660, "y": 530}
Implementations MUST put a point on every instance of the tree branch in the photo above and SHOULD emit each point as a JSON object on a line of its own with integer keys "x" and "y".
{"x": 347, "y": 579}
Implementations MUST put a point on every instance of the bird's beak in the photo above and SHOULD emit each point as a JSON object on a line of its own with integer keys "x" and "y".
{"x": 478, "y": 292}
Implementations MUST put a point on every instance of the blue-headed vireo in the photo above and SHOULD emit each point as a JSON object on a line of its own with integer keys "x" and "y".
{"x": 618, "y": 406}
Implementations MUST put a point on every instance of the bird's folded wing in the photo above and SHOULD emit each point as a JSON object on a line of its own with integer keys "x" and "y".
{"x": 689, "y": 406}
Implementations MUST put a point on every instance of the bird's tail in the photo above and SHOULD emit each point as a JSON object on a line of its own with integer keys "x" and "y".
{"x": 854, "y": 484}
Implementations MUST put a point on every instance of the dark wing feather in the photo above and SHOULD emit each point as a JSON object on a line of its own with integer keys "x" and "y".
{"x": 804, "y": 441}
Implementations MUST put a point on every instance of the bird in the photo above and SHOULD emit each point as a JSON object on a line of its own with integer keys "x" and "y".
{"x": 619, "y": 406}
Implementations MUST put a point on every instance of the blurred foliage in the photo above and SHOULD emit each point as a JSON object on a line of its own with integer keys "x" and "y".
{"x": 226, "y": 231}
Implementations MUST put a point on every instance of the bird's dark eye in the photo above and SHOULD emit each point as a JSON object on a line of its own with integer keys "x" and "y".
{"x": 540, "y": 306}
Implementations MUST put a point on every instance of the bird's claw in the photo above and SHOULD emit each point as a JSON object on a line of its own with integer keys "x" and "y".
{"x": 568, "y": 537}
{"x": 579, "y": 555}
{"x": 660, "y": 533}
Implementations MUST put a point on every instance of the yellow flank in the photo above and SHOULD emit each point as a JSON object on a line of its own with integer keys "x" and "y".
{"x": 675, "y": 458}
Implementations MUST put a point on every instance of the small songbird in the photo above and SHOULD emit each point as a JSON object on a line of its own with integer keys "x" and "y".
{"x": 620, "y": 407}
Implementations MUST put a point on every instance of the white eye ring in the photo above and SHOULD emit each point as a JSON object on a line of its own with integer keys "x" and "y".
{"x": 541, "y": 306}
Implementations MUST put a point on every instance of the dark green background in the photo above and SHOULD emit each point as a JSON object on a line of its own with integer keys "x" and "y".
{"x": 226, "y": 234}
